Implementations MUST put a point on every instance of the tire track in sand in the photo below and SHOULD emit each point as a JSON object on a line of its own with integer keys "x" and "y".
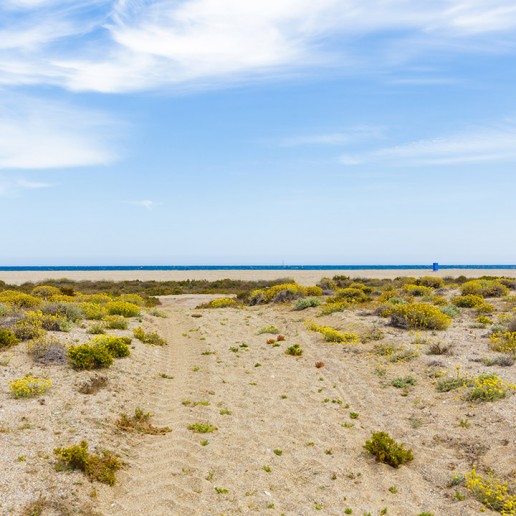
{"x": 164, "y": 472}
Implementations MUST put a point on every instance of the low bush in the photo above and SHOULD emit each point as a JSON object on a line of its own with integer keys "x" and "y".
{"x": 151, "y": 338}
{"x": 101, "y": 467}
{"x": 54, "y": 322}
{"x": 307, "y": 302}
{"x": 47, "y": 350}
{"x": 295, "y": 351}
{"x": 385, "y": 449}
{"x": 484, "y": 308}
{"x": 19, "y": 299}
{"x": 140, "y": 423}
{"x": 430, "y": 281}
{"x": 29, "y": 386}
{"x": 503, "y": 342}
{"x": 349, "y": 294}
{"x": 268, "y": 329}
{"x": 332, "y": 335}
{"x": 489, "y": 387}
{"x": 45, "y": 291}
{"x": 134, "y": 299}
{"x": 419, "y": 316}
{"x": 89, "y": 356}
{"x": 485, "y": 288}
{"x": 71, "y": 311}
{"x": 331, "y": 308}
{"x": 7, "y": 338}
{"x": 123, "y": 308}
{"x": 468, "y": 301}
{"x": 471, "y": 288}
{"x": 4, "y": 309}
{"x": 417, "y": 290}
{"x": 402, "y": 382}
{"x": 30, "y": 326}
{"x": 99, "y": 328}
{"x": 116, "y": 322}
{"x": 492, "y": 492}
{"x": 282, "y": 293}
{"x": 93, "y": 384}
{"x": 221, "y": 302}
{"x": 93, "y": 311}
{"x": 118, "y": 347}
{"x": 450, "y": 310}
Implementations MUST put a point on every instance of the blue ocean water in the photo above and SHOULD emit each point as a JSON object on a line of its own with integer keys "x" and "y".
{"x": 243, "y": 267}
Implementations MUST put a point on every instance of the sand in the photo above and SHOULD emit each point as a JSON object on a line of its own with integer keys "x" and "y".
{"x": 302, "y": 277}
{"x": 285, "y": 439}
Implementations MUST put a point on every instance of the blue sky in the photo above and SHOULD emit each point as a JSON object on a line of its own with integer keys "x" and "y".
{"x": 232, "y": 132}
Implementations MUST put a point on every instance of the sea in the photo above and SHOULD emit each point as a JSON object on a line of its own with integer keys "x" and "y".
{"x": 65, "y": 268}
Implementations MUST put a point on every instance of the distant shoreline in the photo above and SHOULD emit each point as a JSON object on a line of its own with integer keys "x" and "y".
{"x": 66, "y": 268}
{"x": 303, "y": 277}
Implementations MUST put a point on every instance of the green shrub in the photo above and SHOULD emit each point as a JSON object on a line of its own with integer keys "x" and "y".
{"x": 489, "y": 387}
{"x": 283, "y": 293}
{"x": 450, "y": 310}
{"x": 4, "y": 309}
{"x": 19, "y": 299}
{"x": 45, "y": 291}
{"x": 7, "y": 338}
{"x": 47, "y": 350}
{"x": 485, "y": 288}
{"x": 268, "y": 329}
{"x": 431, "y": 281}
{"x": 122, "y": 308}
{"x": 116, "y": 322}
{"x": 385, "y": 449}
{"x": 294, "y": 351}
{"x": 332, "y": 335}
{"x": 98, "y": 328}
{"x": 89, "y": 356}
{"x": 93, "y": 311}
{"x": 70, "y": 311}
{"x": 419, "y": 316}
{"x": 118, "y": 347}
{"x": 307, "y": 302}
{"x": 468, "y": 301}
{"x": 331, "y": 308}
{"x": 417, "y": 290}
{"x": 30, "y": 326}
{"x": 134, "y": 299}
{"x": 102, "y": 467}
{"x": 403, "y": 381}
{"x": 29, "y": 386}
{"x": 149, "y": 338}
{"x": 471, "y": 288}
{"x": 352, "y": 295}
{"x": 140, "y": 423}
{"x": 221, "y": 302}
{"x": 503, "y": 342}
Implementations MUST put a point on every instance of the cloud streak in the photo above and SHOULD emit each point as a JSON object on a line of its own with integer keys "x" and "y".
{"x": 37, "y": 134}
{"x": 130, "y": 45}
{"x": 484, "y": 145}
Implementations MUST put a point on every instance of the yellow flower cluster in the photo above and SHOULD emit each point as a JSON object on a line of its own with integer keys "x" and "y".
{"x": 489, "y": 387}
{"x": 332, "y": 335}
{"x": 504, "y": 342}
{"x": 283, "y": 292}
{"x": 29, "y": 387}
{"x": 493, "y": 493}
{"x": 222, "y": 302}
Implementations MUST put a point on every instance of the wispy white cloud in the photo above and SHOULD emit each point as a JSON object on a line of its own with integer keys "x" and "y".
{"x": 124, "y": 45}
{"x": 13, "y": 187}
{"x": 478, "y": 145}
{"x": 351, "y": 135}
{"x": 37, "y": 134}
{"x": 145, "y": 203}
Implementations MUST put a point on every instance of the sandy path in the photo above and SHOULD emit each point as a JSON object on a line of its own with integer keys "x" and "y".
{"x": 154, "y": 482}
{"x": 285, "y": 441}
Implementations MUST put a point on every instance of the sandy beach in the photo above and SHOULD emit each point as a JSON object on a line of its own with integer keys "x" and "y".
{"x": 257, "y": 429}
{"x": 302, "y": 277}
